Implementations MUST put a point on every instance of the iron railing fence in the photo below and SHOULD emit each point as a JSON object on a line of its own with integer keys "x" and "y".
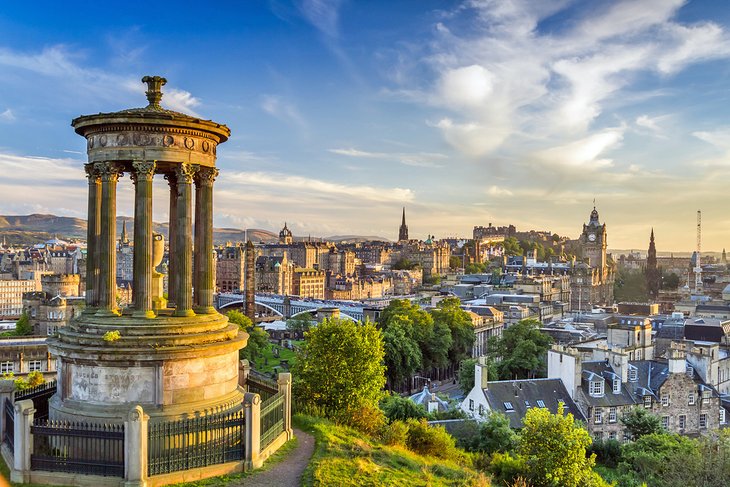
{"x": 272, "y": 418}
{"x": 76, "y": 447}
{"x": 196, "y": 442}
{"x": 9, "y": 412}
{"x": 40, "y": 395}
{"x": 261, "y": 385}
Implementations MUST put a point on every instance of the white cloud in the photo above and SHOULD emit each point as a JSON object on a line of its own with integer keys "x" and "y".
{"x": 322, "y": 14}
{"x": 181, "y": 101}
{"x": 7, "y": 116}
{"x": 278, "y": 107}
{"x": 468, "y": 87}
{"x": 648, "y": 122}
{"x": 421, "y": 159}
{"x": 584, "y": 153}
{"x": 499, "y": 191}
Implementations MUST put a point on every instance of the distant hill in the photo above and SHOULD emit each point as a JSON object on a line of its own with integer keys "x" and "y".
{"x": 28, "y": 229}
{"x": 355, "y": 238}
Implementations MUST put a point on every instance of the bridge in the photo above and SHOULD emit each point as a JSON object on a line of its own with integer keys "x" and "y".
{"x": 295, "y": 305}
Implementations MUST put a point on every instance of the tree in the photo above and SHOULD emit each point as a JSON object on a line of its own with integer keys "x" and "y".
{"x": 448, "y": 313}
{"x": 466, "y": 373}
{"x": 23, "y": 326}
{"x": 401, "y": 408}
{"x": 405, "y": 264}
{"x": 630, "y": 285}
{"x": 649, "y": 457}
{"x": 475, "y": 268}
{"x": 339, "y": 369}
{"x": 670, "y": 281}
{"x": 553, "y": 448}
{"x": 33, "y": 379}
{"x": 258, "y": 339}
{"x": 454, "y": 262}
{"x": 403, "y": 356}
{"x": 511, "y": 246}
{"x": 495, "y": 435}
{"x": 521, "y": 350}
{"x": 300, "y": 323}
{"x": 640, "y": 422}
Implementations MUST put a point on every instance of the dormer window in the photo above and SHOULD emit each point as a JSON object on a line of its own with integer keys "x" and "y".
{"x": 596, "y": 388}
{"x": 616, "y": 385}
{"x": 647, "y": 401}
{"x": 633, "y": 374}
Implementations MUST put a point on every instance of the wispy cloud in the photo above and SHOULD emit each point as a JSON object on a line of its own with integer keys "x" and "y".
{"x": 7, "y": 116}
{"x": 284, "y": 110}
{"x": 420, "y": 159}
{"x": 323, "y": 14}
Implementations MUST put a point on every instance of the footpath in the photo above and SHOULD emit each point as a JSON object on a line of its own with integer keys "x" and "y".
{"x": 288, "y": 472}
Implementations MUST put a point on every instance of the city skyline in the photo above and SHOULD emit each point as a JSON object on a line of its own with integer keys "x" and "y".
{"x": 342, "y": 113}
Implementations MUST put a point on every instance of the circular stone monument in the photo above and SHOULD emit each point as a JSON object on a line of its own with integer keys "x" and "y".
{"x": 175, "y": 357}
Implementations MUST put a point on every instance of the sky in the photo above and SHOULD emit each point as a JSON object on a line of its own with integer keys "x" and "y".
{"x": 342, "y": 112}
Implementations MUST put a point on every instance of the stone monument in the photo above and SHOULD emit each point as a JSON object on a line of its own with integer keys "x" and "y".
{"x": 177, "y": 358}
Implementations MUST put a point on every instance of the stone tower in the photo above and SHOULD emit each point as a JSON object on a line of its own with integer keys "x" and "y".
{"x": 652, "y": 271}
{"x": 593, "y": 241}
{"x": 285, "y": 236}
{"x": 250, "y": 281}
{"x": 403, "y": 230}
{"x": 179, "y": 361}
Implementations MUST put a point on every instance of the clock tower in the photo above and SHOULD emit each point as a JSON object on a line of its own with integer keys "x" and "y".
{"x": 592, "y": 280}
{"x": 593, "y": 242}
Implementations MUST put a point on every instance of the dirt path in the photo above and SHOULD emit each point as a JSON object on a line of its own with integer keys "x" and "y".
{"x": 288, "y": 472}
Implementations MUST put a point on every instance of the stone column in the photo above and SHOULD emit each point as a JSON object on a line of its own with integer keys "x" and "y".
{"x": 284, "y": 383}
{"x": 204, "y": 264}
{"x": 142, "y": 176}
{"x": 107, "y": 293}
{"x": 183, "y": 240}
{"x": 92, "y": 236}
{"x": 135, "y": 447}
{"x": 252, "y": 404}
{"x": 171, "y": 241}
{"x": 23, "y": 442}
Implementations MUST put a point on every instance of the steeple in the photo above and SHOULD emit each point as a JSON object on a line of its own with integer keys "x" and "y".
{"x": 403, "y": 230}
{"x": 652, "y": 271}
{"x": 124, "y": 239}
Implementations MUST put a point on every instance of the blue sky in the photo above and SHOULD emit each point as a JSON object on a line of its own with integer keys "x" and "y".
{"x": 342, "y": 112}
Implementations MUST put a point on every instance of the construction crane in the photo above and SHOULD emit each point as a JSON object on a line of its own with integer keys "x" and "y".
{"x": 698, "y": 261}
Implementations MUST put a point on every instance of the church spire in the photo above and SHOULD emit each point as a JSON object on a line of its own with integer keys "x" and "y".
{"x": 652, "y": 274}
{"x": 124, "y": 240}
{"x": 403, "y": 230}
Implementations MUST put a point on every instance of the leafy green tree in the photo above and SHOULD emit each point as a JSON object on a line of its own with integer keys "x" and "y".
{"x": 33, "y": 379}
{"x": 400, "y": 408}
{"x": 300, "y": 323}
{"x": 630, "y": 285}
{"x": 448, "y": 313}
{"x": 670, "y": 281}
{"x": 23, "y": 326}
{"x": 648, "y": 457}
{"x": 495, "y": 435}
{"x": 403, "y": 356}
{"x": 339, "y": 370}
{"x": 640, "y": 422}
{"x": 405, "y": 264}
{"x": 475, "y": 268}
{"x": 706, "y": 466}
{"x": 258, "y": 339}
{"x": 467, "y": 371}
{"x": 553, "y": 448}
{"x": 511, "y": 246}
{"x": 454, "y": 262}
{"x": 521, "y": 350}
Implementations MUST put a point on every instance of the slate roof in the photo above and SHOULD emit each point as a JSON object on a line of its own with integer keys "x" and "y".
{"x": 514, "y": 397}
{"x": 425, "y": 396}
{"x": 603, "y": 370}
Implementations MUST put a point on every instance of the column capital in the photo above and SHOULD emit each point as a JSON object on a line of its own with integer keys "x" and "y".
{"x": 205, "y": 176}
{"x": 184, "y": 173}
{"x": 109, "y": 171}
{"x": 143, "y": 171}
{"x": 92, "y": 172}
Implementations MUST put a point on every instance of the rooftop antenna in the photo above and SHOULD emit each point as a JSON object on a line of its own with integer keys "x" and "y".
{"x": 698, "y": 263}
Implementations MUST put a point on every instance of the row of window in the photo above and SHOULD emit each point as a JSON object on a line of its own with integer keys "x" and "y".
{"x": 33, "y": 366}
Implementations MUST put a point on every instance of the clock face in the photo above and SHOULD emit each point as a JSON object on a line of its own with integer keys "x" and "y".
{"x": 592, "y": 237}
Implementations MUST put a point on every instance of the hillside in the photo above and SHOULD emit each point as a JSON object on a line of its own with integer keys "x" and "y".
{"x": 343, "y": 456}
{"x": 29, "y": 229}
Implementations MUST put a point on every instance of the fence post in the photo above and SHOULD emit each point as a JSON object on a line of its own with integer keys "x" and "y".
{"x": 244, "y": 367}
{"x": 23, "y": 441}
{"x": 6, "y": 392}
{"x": 252, "y": 403}
{"x": 284, "y": 382}
{"x": 135, "y": 448}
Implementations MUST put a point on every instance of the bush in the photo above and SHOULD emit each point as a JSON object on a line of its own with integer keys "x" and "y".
{"x": 31, "y": 380}
{"x": 401, "y": 408}
{"x": 608, "y": 452}
{"x": 395, "y": 433}
{"x": 366, "y": 419}
{"x": 506, "y": 469}
{"x": 433, "y": 441}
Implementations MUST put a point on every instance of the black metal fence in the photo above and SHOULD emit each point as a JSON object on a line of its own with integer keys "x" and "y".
{"x": 196, "y": 442}
{"x": 9, "y": 412}
{"x": 40, "y": 395}
{"x": 272, "y": 418}
{"x": 262, "y": 386}
{"x": 91, "y": 449}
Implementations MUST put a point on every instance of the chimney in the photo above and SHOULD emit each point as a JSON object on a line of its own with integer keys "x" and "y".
{"x": 677, "y": 361}
{"x": 481, "y": 374}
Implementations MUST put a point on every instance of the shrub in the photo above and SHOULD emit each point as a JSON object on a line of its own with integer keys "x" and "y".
{"x": 395, "y": 433}
{"x": 367, "y": 419}
{"x": 607, "y": 452}
{"x": 427, "y": 440}
{"x": 401, "y": 408}
{"x": 506, "y": 469}
{"x": 31, "y": 380}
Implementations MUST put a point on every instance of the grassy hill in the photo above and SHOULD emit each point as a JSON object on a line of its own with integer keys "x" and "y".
{"x": 343, "y": 456}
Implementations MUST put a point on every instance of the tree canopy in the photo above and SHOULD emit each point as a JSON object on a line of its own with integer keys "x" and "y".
{"x": 448, "y": 313}
{"x": 640, "y": 422}
{"x": 258, "y": 339}
{"x": 339, "y": 369}
{"x": 521, "y": 351}
{"x": 23, "y": 326}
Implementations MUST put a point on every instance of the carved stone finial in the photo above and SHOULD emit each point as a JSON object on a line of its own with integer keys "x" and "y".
{"x": 154, "y": 90}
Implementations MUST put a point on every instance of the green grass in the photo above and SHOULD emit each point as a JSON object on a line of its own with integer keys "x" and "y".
{"x": 266, "y": 362}
{"x": 343, "y": 456}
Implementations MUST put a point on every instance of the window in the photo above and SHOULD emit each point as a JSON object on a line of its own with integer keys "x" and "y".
{"x": 703, "y": 421}
{"x": 722, "y": 415}
{"x": 596, "y": 388}
{"x": 665, "y": 399}
{"x": 541, "y": 404}
{"x": 665, "y": 422}
{"x": 34, "y": 366}
{"x": 6, "y": 367}
{"x": 633, "y": 374}
{"x": 612, "y": 435}
{"x": 705, "y": 397}
{"x": 527, "y": 404}
{"x": 647, "y": 401}
{"x": 481, "y": 410}
{"x": 612, "y": 415}
{"x": 617, "y": 386}
{"x": 598, "y": 435}
{"x": 691, "y": 398}
{"x": 598, "y": 415}
{"x": 508, "y": 406}
{"x": 471, "y": 404}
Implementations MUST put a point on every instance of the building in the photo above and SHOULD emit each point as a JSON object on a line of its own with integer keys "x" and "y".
{"x": 488, "y": 323}
{"x": 514, "y": 398}
{"x": 592, "y": 280}
{"x": 21, "y": 355}
{"x": 308, "y": 283}
{"x": 125, "y": 258}
{"x": 285, "y": 236}
{"x": 11, "y": 296}
{"x": 653, "y": 276}
{"x": 274, "y": 275}
{"x": 56, "y": 304}
{"x": 229, "y": 268}
{"x": 403, "y": 229}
